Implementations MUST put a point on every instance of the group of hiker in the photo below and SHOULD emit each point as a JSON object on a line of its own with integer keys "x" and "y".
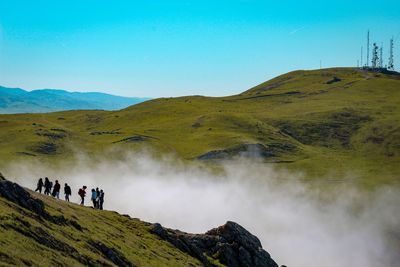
{"x": 97, "y": 195}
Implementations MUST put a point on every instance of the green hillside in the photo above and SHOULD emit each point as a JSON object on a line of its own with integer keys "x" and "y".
{"x": 79, "y": 236}
{"x": 38, "y": 230}
{"x": 330, "y": 122}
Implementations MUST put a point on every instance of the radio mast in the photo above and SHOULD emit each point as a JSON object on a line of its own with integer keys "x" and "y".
{"x": 391, "y": 61}
{"x": 361, "y": 62}
{"x": 367, "y": 64}
{"x": 375, "y": 57}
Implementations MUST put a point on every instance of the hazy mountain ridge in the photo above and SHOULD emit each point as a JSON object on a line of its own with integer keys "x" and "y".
{"x": 17, "y": 100}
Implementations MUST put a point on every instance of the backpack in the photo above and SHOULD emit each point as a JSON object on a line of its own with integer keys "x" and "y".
{"x": 81, "y": 192}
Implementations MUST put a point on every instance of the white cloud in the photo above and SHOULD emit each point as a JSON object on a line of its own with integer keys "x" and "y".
{"x": 294, "y": 224}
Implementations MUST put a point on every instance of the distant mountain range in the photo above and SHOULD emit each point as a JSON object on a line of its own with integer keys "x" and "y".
{"x": 17, "y": 100}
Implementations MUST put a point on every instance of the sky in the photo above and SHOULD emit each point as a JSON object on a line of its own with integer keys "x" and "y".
{"x": 175, "y": 48}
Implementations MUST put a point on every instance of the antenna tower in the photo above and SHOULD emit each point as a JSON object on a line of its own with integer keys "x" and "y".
{"x": 381, "y": 56}
{"x": 375, "y": 57}
{"x": 391, "y": 61}
{"x": 367, "y": 49}
{"x": 361, "y": 62}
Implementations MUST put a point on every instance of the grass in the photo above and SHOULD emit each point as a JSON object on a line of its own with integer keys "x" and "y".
{"x": 29, "y": 240}
{"x": 349, "y": 126}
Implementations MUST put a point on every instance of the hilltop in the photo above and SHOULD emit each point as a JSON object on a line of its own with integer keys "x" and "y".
{"x": 37, "y": 230}
{"x": 17, "y": 100}
{"x": 329, "y": 122}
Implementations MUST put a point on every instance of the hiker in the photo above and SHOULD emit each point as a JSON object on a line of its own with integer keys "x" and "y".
{"x": 39, "y": 185}
{"x": 50, "y": 186}
{"x": 47, "y": 187}
{"x": 97, "y": 198}
{"x": 94, "y": 196}
{"x": 101, "y": 198}
{"x": 67, "y": 191}
{"x": 56, "y": 190}
{"x": 82, "y": 194}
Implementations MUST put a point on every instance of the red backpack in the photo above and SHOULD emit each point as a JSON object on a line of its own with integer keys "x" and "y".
{"x": 81, "y": 192}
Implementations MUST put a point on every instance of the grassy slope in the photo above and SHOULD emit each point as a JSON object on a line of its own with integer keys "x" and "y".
{"x": 130, "y": 237}
{"x": 349, "y": 125}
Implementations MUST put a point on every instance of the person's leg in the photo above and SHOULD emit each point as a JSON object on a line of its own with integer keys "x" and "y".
{"x": 101, "y": 205}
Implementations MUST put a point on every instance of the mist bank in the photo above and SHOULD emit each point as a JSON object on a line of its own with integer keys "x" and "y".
{"x": 297, "y": 224}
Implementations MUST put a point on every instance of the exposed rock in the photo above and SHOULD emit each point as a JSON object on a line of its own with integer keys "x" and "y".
{"x": 113, "y": 255}
{"x": 230, "y": 244}
{"x": 18, "y": 195}
{"x": 51, "y": 135}
{"x": 334, "y": 80}
{"x": 15, "y": 193}
{"x": 46, "y": 148}
{"x": 249, "y": 151}
{"x": 135, "y": 138}
{"x": 106, "y": 132}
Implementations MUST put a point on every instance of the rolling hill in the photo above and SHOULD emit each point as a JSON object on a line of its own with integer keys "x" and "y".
{"x": 341, "y": 123}
{"x": 16, "y": 100}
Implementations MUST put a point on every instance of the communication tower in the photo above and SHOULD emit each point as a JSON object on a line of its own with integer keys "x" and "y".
{"x": 391, "y": 61}
{"x": 375, "y": 57}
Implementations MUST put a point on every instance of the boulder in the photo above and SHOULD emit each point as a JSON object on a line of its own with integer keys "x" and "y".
{"x": 230, "y": 244}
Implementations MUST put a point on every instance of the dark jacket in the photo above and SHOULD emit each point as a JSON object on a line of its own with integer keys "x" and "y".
{"x": 57, "y": 187}
{"x": 67, "y": 190}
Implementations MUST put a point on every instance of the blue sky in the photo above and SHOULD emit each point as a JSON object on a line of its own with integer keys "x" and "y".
{"x": 173, "y": 48}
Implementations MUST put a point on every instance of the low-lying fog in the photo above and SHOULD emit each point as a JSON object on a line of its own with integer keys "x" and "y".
{"x": 293, "y": 224}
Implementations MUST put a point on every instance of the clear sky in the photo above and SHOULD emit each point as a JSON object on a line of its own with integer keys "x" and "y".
{"x": 173, "y": 48}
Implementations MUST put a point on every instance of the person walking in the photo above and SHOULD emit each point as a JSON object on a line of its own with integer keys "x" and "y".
{"x": 46, "y": 186}
{"x": 97, "y": 198}
{"x": 50, "y": 186}
{"x": 67, "y": 191}
{"x": 39, "y": 185}
{"x": 82, "y": 194}
{"x": 101, "y": 198}
{"x": 56, "y": 190}
{"x": 94, "y": 196}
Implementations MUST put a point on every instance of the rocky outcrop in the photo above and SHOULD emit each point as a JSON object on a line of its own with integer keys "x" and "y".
{"x": 249, "y": 151}
{"x": 334, "y": 80}
{"x": 230, "y": 245}
{"x": 15, "y": 193}
{"x": 113, "y": 255}
{"x": 18, "y": 195}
